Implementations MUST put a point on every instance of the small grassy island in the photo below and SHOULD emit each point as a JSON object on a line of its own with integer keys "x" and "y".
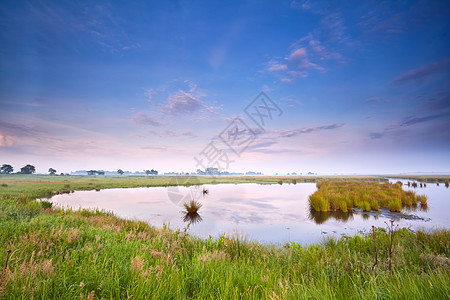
{"x": 345, "y": 195}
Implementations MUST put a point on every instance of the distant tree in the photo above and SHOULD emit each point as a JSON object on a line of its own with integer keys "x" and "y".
{"x": 52, "y": 171}
{"x": 91, "y": 172}
{"x": 148, "y": 172}
{"x": 153, "y": 172}
{"x": 120, "y": 172}
{"x": 28, "y": 169}
{"x": 6, "y": 169}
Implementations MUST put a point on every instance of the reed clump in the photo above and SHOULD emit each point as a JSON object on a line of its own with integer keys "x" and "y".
{"x": 346, "y": 195}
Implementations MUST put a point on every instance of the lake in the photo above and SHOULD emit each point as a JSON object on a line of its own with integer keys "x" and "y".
{"x": 266, "y": 213}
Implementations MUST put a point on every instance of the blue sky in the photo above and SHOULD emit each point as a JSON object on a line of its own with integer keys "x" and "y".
{"x": 363, "y": 86}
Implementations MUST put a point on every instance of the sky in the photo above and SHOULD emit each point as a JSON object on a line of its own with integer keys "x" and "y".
{"x": 348, "y": 86}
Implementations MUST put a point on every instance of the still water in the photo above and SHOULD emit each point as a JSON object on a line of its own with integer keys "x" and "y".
{"x": 266, "y": 213}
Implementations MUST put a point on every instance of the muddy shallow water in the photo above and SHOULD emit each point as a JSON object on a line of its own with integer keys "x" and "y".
{"x": 266, "y": 213}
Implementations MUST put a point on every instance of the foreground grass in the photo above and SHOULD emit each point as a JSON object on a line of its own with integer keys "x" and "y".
{"x": 92, "y": 254}
{"x": 345, "y": 195}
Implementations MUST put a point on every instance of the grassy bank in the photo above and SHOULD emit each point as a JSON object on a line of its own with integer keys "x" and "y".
{"x": 51, "y": 254}
{"x": 345, "y": 195}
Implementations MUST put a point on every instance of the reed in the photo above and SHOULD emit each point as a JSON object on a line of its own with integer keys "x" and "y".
{"x": 346, "y": 195}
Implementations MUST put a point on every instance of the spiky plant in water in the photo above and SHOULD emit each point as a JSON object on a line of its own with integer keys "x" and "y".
{"x": 193, "y": 206}
{"x": 191, "y": 212}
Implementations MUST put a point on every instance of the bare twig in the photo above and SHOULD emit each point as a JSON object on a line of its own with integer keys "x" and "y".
{"x": 7, "y": 258}
{"x": 375, "y": 248}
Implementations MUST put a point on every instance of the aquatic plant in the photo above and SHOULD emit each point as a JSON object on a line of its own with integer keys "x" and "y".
{"x": 395, "y": 205}
{"x": 318, "y": 202}
{"x": 365, "y": 206}
{"x": 422, "y": 199}
{"x": 192, "y": 206}
{"x": 345, "y": 195}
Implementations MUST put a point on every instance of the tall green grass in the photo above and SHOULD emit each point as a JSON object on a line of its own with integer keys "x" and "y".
{"x": 346, "y": 195}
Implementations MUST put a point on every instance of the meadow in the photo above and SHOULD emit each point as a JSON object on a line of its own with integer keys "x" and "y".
{"x": 49, "y": 253}
{"x": 333, "y": 195}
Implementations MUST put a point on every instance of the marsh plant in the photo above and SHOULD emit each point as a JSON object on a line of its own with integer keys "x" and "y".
{"x": 389, "y": 244}
{"x": 345, "y": 195}
{"x": 191, "y": 212}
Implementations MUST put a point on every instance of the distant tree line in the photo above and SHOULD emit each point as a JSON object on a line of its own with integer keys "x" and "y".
{"x": 8, "y": 169}
{"x": 30, "y": 169}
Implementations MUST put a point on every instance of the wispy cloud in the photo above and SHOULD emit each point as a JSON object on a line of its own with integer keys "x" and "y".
{"x": 171, "y": 134}
{"x": 439, "y": 101}
{"x": 189, "y": 101}
{"x": 182, "y": 102}
{"x": 376, "y": 135}
{"x": 420, "y": 74}
{"x": 405, "y": 123}
{"x": 18, "y": 130}
{"x": 143, "y": 119}
{"x": 276, "y": 66}
{"x": 306, "y": 55}
{"x": 372, "y": 100}
{"x": 383, "y": 22}
{"x": 412, "y": 120}
{"x": 155, "y": 148}
{"x": 305, "y": 130}
{"x": 335, "y": 28}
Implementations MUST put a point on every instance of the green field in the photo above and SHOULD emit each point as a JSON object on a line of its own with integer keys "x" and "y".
{"x": 49, "y": 253}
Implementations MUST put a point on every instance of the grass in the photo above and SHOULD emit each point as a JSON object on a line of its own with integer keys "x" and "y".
{"x": 63, "y": 254}
{"x": 346, "y": 195}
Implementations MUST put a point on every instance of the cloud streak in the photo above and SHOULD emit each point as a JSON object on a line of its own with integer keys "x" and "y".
{"x": 421, "y": 73}
{"x": 406, "y": 122}
{"x": 143, "y": 119}
{"x": 305, "y": 130}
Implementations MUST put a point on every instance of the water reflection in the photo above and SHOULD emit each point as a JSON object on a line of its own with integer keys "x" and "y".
{"x": 192, "y": 217}
{"x": 415, "y": 207}
{"x": 319, "y": 217}
{"x": 267, "y": 213}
